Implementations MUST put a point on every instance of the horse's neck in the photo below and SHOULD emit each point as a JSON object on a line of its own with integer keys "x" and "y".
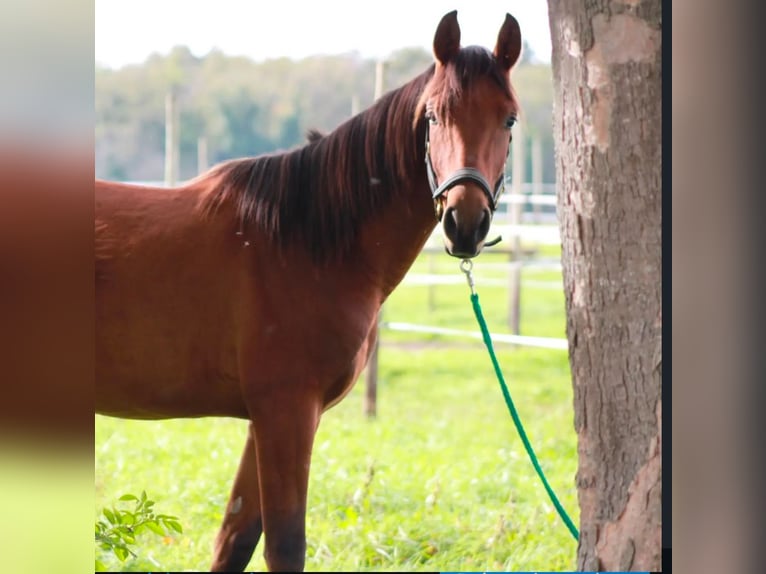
{"x": 391, "y": 241}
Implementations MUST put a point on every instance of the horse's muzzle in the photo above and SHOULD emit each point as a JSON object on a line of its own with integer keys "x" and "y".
{"x": 465, "y": 239}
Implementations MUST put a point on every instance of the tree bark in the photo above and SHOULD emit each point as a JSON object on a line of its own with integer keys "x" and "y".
{"x": 607, "y": 128}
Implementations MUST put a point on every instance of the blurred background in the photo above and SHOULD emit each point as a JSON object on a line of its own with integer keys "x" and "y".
{"x": 245, "y": 81}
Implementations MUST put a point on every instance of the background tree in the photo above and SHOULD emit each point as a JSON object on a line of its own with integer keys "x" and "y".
{"x": 244, "y": 108}
{"x": 607, "y": 125}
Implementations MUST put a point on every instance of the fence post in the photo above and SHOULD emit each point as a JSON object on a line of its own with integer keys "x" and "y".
{"x": 431, "y": 286}
{"x": 514, "y": 281}
{"x": 371, "y": 394}
{"x": 371, "y": 391}
{"x": 171, "y": 139}
{"x": 202, "y": 164}
{"x": 379, "y": 82}
{"x": 537, "y": 175}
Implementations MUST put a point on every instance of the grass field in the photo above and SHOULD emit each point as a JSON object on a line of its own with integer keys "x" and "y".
{"x": 439, "y": 481}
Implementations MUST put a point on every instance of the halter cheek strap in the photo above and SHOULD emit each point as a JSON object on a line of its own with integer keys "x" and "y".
{"x": 457, "y": 177}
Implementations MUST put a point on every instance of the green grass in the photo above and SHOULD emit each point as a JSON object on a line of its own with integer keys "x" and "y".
{"x": 451, "y": 488}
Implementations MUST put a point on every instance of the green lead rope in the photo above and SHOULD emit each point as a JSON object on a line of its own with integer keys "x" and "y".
{"x": 515, "y": 415}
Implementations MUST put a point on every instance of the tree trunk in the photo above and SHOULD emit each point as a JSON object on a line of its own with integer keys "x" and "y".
{"x": 607, "y": 128}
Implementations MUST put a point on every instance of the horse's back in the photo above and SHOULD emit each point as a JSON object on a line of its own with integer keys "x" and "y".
{"x": 136, "y": 228}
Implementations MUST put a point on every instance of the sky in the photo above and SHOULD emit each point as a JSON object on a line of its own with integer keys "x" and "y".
{"x": 128, "y": 31}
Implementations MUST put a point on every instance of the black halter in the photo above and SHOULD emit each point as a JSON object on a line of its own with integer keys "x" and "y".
{"x": 457, "y": 177}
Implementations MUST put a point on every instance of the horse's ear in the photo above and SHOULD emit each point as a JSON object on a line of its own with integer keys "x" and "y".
{"x": 447, "y": 38}
{"x": 508, "y": 45}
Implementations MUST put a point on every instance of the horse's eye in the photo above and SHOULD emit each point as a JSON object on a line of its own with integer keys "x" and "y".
{"x": 431, "y": 117}
{"x": 510, "y": 121}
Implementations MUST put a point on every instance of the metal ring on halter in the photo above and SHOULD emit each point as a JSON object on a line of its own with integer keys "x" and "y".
{"x": 466, "y": 266}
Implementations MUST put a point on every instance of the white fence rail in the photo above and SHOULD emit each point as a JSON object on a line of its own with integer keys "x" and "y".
{"x": 538, "y": 199}
{"x": 543, "y": 342}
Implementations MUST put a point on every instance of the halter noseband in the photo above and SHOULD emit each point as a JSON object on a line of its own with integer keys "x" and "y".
{"x": 457, "y": 177}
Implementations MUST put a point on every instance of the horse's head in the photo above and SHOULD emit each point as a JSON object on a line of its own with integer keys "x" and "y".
{"x": 469, "y": 107}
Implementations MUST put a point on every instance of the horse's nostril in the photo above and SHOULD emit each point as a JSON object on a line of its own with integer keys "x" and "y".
{"x": 450, "y": 222}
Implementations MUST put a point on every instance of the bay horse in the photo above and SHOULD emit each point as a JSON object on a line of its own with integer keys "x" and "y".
{"x": 253, "y": 290}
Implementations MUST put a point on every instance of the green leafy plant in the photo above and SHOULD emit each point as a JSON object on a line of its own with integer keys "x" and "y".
{"x": 117, "y": 529}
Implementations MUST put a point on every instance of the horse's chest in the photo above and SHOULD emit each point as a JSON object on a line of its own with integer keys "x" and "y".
{"x": 346, "y": 378}
{"x": 312, "y": 333}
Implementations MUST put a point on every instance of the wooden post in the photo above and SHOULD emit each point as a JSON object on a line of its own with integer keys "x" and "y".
{"x": 202, "y": 164}
{"x": 171, "y": 139}
{"x": 431, "y": 286}
{"x": 355, "y": 106}
{"x": 371, "y": 391}
{"x": 379, "y": 69}
{"x": 514, "y": 282}
{"x": 537, "y": 175}
{"x": 371, "y": 394}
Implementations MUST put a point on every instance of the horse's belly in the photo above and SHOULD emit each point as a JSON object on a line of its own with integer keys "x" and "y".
{"x": 150, "y": 394}
{"x": 150, "y": 398}
{"x": 145, "y": 369}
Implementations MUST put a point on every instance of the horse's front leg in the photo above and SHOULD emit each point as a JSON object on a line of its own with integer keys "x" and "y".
{"x": 285, "y": 419}
{"x": 242, "y": 525}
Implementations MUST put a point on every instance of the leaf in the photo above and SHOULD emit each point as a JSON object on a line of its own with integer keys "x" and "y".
{"x": 143, "y": 496}
{"x": 154, "y": 527}
{"x": 128, "y": 518}
{"x": 128, "y": 497}
{"x": 100, "y": 566}
{"x": 120, "y": 532}
{"x": 110, "y": 516}
{"x": 121, "y": 553}
{"x": 175, "y": 526}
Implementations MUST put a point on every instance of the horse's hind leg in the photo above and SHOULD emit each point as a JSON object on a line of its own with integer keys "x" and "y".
{"x": 242, "y": 526}
{"x": 285, "y": 424}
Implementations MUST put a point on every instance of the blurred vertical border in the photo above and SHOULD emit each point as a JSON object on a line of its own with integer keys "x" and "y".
{"x": 46, "y": 285}
{"x": 717, "y": 195}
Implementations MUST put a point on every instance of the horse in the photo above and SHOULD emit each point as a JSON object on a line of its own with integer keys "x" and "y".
{"x": 252, "y": 291}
